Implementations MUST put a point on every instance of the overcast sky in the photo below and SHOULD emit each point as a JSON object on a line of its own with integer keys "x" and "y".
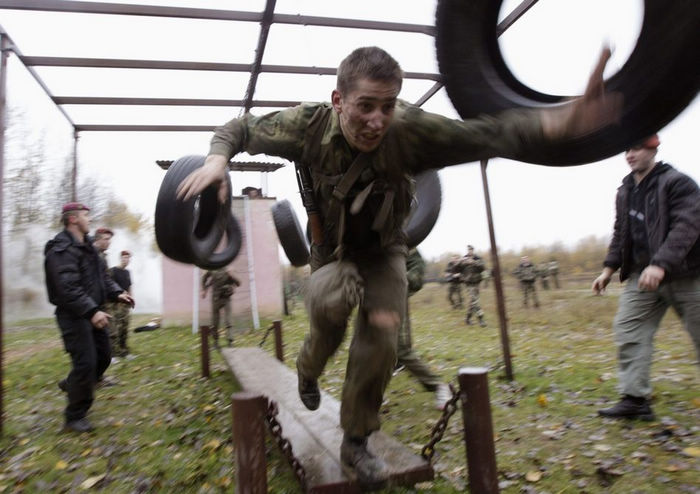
{"x": 552, "y": 48}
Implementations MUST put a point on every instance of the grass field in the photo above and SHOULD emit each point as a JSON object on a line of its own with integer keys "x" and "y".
{"x": 163, "y": 428}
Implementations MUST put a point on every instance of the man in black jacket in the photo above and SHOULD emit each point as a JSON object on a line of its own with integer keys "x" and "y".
{"x": 77, "y": 284}
{"x": 656, "y": 246}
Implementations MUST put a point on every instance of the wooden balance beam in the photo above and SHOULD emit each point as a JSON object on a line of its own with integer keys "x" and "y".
{"x": 316, "y": 435}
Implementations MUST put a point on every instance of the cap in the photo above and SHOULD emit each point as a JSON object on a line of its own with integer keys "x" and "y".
{"x": 651, "y": 142}
{"x": 74, "y": 206}
{"x": 103, "y": 230}
{"x": 125, "y": 253}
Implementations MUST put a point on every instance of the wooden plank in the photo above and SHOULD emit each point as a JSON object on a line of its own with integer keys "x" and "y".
{"x": 316, "y": 435}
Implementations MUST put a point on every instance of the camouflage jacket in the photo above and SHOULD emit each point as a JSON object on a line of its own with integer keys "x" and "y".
{"x": 472, "y": 268}
{"x": 453, "y": 272}
{"x": 526, "y": 272}
{"x": 415, "y": 271}
{"x": 221, "y": 283}
{"x": 310, "y": 135}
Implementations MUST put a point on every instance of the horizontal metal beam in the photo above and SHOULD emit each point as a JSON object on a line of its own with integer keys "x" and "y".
{"x": 117, "y": 63}
{"x": 212, "y": 14}
{"x": 101, "y": 100}
{"x": 144, "y": 128}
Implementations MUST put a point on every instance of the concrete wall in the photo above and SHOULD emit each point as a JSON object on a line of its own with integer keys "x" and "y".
{"x": 259, "y": 270}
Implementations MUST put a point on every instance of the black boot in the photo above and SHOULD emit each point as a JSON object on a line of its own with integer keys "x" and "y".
{"x": 309, "y": 393}
{"x": 371, "y": 471}
{"x": 79, "y": 425}
{"x": 482, "y": 323}
{"x": 468, "y": 320}
{"x": 630, "y": 407}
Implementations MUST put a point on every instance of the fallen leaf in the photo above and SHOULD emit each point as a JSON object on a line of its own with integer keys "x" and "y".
{"x": 91, "y": 482}
{"x": 61, "y": 465}
{"x": 692, "y": 451}
{"x": 213, "y": 444}
{"x": 533, "y": 476}
{"x": 696, "y": 402}
{"x": 602, "y": 447}
{"x": 542, "y": 400}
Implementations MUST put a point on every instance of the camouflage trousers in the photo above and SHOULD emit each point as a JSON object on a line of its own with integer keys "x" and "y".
{"x": 407, "y": 357}
{"x": 371, "y": 280}
{"x": 217, "y": 306}
{"x": 474, "y": 301}
{"x": 454, "y": 295}
{"x": 529, "y": 291}
{"x": 119, "y": 328}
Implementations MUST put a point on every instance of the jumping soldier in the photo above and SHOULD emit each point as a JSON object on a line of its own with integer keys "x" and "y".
{"x": 354, "y": 159}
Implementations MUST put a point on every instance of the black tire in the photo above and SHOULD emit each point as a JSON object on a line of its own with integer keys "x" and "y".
{"x": 660, "y": 78}
{"x": 216, "y": 260}
{"x": 425, "y": 208}
{"x": 290, "y": 233}
{"x": 189, "y": 231}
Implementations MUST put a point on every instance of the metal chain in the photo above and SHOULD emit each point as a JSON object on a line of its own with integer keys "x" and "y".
{"x": 267, "y": 333}
{"x": 284, "y": 444}
{"x": 439, "y": 429}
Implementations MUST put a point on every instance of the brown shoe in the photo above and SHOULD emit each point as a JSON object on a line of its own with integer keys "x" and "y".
{"x": 371, "y": 471}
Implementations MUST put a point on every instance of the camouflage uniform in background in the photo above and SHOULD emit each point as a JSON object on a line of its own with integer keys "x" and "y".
{"x": 553, "y": 268}
{"x": 472, "y": 267}
{"x": 543, "y": 273}
{"x": 526, "y": 272}
{"x": 486, "y": 278}
{"x": 222, "y": 285}
{"x": 415, "y": 271}
{"x": 453, "y": 275}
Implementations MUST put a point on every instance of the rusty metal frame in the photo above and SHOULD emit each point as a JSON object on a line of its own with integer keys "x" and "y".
{"x": 265, "y": 18}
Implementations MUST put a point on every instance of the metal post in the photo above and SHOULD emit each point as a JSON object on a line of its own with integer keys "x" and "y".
{"x": 478, "y": 430}
{"x": 279, "y": 347}
{"x": 74, "y": 171}
{"x": 497, "y": 280}
{"x": 204, "y": 338}
{"x": 248, "y": 410}
{"x": 195, "y": 299}
{"x": 4, "y": 52}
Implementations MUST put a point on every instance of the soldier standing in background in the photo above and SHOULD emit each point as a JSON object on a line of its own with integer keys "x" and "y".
{"x": 103, "y": 237}
{"x": 119, "y": 329}
{"x": 554, "y": 272}
{"x": 543, "y": 273}
{"x": 453, "y": 275}
{"x": 222, "y": 284}
{"x": 526, "y": 272}
{"x": 406, "y": 357}
{"x": 472, "y": 267}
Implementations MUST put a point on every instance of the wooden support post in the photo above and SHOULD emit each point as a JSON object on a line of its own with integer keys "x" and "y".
{"x": 279, "y": 350}
{"x": 204, "y": 338}
{"x": 249, "y": 410}
{"x": 478, "y": 430}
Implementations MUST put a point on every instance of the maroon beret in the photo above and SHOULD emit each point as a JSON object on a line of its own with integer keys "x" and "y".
{"x": 74, "y": 206}
{"x": 126, "y": 253}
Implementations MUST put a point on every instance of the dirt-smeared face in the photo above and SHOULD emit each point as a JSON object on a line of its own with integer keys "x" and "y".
{"x": 366, "y": 112}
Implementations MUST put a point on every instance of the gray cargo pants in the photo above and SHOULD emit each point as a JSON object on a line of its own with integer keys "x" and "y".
{"x": 637, "y": 319}
{"x": 372, "y": 280}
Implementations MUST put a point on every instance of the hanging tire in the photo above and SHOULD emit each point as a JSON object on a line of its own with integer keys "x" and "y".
{"x": 290, "y": 233}
{"x": 660, "y": 78}
{"x": 190, "y": 231}
{"x": 425, "y": 208}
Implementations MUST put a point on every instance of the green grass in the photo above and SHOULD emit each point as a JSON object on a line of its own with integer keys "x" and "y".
{"x": 166, "y": 429}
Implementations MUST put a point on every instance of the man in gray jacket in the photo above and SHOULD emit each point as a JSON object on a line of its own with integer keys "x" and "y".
{"x": 656, "y": 248}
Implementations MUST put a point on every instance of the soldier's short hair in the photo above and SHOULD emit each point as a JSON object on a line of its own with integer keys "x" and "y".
{"x": 369, "y": 62}
{"x": 103, "y": 232}
{"x": 65, "y": 216}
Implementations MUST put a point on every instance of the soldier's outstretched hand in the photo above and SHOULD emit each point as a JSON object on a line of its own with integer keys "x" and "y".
{"x": 589, "y": 113}
{"x": 212, "y": 172}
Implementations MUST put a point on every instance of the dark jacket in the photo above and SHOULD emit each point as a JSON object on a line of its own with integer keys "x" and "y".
{"x": 76, "y": 276}
{"x": 672, "y": 220}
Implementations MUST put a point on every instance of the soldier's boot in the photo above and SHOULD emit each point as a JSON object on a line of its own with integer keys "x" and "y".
{"x": 371, "y": 471}
{"x": 482, "y": 323}
{"x": 309, "y": 393}
{"x": 630, "y": 407}
{"x": 468, "y": 320}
